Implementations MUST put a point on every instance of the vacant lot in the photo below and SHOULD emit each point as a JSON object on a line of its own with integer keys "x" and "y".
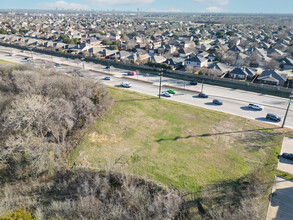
{"x": 176, "y": 144}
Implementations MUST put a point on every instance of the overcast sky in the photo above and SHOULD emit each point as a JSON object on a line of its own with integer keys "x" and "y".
{"x": 230, "y": 6}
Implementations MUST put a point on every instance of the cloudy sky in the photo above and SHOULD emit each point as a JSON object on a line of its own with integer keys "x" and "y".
{"x": 234, "y": 6}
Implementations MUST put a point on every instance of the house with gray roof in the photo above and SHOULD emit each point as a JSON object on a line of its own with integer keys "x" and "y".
{"x": 242, "y": 73}
{"x": 272, "y": 77}
{"x": 196, "y": 61}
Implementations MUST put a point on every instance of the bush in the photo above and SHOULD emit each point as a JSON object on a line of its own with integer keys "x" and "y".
{"x": 160, "y": 65}
{"x": 41, "y": 110}
{"x": 18, "y": 215}
{"x": 42, "y": 117}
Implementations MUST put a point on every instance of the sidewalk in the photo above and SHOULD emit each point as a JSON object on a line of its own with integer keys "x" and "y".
{"x": 281, "y": 204}
{"x": 284, "y": 164}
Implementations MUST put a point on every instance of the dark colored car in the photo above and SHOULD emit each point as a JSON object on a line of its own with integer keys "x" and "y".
{"x": 273, "y": 117}
{"x": 287, "y": 156}
{"x": 194, "y": 83}
{"x": 217, "y": 102}
{"x": 107, "y": 67}
{"x": 202, "y": 95}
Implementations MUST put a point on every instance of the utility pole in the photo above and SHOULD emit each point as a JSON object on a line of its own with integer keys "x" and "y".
{"x": 184, "y": 81}
{"x": 160, "y": 74}
{"x": 290, "y": 99}
{"x": 82, "y": 59}
{"x": 31, "y": 49}
{"x": 202, "y": 86}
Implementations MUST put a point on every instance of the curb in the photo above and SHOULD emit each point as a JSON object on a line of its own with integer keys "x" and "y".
{"x": 179, "y": 88}
{"x": 139, "y": 80}
{"x": 97, "y": 71}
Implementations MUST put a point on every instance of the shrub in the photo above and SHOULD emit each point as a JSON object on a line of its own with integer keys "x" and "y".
{"x": 18, "y": 214}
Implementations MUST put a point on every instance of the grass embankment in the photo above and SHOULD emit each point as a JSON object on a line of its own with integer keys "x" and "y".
{"x": 6, "y": 62}
{"x": 176, "y": 144}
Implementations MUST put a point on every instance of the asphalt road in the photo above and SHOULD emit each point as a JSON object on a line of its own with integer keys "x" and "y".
{"x": 235, "y": 101}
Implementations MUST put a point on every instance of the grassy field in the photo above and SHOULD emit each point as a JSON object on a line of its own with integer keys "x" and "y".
{"x": 175, "y": 144}
{"x": 6, "y": 62}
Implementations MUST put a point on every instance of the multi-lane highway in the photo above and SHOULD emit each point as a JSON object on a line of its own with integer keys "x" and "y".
{"x": 235, "y": 101}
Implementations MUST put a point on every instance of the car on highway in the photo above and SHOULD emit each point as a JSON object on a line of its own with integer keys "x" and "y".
{"x": 11, "y": 54}
{"x": 287, "y": 156}
{"x": 131, "y": 73}
{"x": 171, "y": 91}
{"x": 273, "y": 117}
{"x": 255, "y": 107}
{"x": 125, "y": 84}
{"x": 203, "y": 95}
{"x": 29, "y": 60}
{"x": 194, "y": 83}
{"x": 107, "y": 67}
{"x": 57, "y": 64}
{"x": 107, "y": 78}
{"x": 166, "y": 94}
{"x": 217, "y": 102}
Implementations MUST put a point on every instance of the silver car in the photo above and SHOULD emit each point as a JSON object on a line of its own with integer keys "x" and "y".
{"x": 125, "y": 84}
{"x": 166, "y": 94}
{"x": 256, "y": 107}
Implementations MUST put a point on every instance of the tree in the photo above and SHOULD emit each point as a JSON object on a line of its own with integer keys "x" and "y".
{"x": 2, "y": 31}
{"x": 254, "y": 59}
{"x": 13, "y": 31}
{"x": 106, "y": 42}
{"x": 220, "y": 34}
{"x": 230, "y": 33}
{"x": 197, "y": 42}
{"x": 272, "y": 64}
{"x": 135, "y": 34}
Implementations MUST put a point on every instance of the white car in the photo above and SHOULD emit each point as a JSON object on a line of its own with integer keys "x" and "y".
{"x": 256, "y": 107}
{"x": 166, "y": 94}
{"x": 107, "y": 78}
{"x": 125, "y": 84}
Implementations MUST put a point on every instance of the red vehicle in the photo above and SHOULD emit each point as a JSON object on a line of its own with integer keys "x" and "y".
{"x": 131, "y": 73}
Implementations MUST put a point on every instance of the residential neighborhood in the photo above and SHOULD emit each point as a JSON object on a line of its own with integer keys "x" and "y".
{"x": 146, "y": 109}
{"x": 228, "y": 50}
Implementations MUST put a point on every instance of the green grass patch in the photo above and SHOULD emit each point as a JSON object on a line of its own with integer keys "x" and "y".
{"x": 178, "y": 145}
{"x": 6, "y": 62}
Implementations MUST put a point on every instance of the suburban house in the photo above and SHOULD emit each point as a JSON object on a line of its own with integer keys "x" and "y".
{"x": 272, "y": 77}
{"x": 157, "y": 59}
{"x": 185, "y": 52}
{"x": 287, "y": 63}
{"x": 224, "y": 68}
{"x": 196, "y": 61}
{"x": 237, "y": 49}
{"x": 176, "y": 62}
{"x": 242, "y": 73}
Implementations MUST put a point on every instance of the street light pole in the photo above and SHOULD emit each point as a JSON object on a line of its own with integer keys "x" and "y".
{"x": 82, "y": 62}
{"x": 31, "y": 49}
{"x": 160, "y": 74}
{"x": 202, "y": 86}
{"x": 184, "y": 81}
{"x": 290, "y": 99}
